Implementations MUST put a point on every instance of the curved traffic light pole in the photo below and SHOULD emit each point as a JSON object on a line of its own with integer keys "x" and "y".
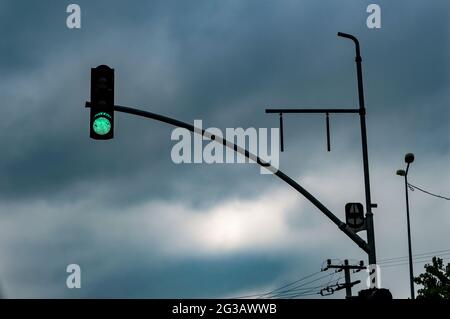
{"x": 342, "y": 226}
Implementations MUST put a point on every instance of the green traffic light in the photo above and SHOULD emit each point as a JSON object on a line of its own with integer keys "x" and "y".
{"x": 101, "y": 125}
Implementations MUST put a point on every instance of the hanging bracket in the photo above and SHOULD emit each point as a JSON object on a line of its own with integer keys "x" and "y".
{"x": 327, "y": 113}
{"x": 281, "y": 133}
{"x": 328, "y": 131}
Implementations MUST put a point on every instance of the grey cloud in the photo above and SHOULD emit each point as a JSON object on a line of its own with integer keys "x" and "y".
{"x": 224, "y": 64}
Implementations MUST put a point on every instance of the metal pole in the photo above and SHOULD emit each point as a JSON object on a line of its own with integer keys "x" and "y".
{"x": 362, "y": 113}
{"x": 348, "y": 284}
{"x": 411, "y": 272}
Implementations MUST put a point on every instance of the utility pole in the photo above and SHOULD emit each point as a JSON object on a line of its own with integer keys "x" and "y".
{"x": 369, "y": 226}
{"x": 346, "y": 267}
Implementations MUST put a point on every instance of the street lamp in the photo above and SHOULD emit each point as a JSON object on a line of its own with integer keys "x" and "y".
{"x": 409, "y": 158}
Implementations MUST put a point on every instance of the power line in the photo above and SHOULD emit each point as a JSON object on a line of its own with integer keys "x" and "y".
{"x": 406, "y": 263}
{"x": 412, "y": 187}
{"x": 299, "y": 291}
{"x": 297, "y": 287}
{"x": 306, "y": 291}
{"x": 294, "y": 282}
{"x": 424, "y": 258}
{"x": 332, "y": 278}
{"x": 387, "y": 260}
{"x": 338, "y": 285}
{"x": 282, "y": 287}
{"x": 303, "y": 295}
{"x": 414, "y": 256}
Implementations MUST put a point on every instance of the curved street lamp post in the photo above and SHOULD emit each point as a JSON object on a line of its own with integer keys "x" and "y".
{"x": 409, "y": 158}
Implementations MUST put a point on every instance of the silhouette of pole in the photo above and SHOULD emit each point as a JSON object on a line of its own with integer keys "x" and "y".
{"x": 348, "y": 287}
{"x": 409, "y": 158}
{"x": 411, "y": 271}
{"x": 362, "y": 114}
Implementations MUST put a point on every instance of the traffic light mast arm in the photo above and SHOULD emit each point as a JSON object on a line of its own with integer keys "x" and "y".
{"x": 342, "y": 226}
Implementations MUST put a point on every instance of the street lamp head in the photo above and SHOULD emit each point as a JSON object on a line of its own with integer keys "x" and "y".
{"x": 409, "y": 158}
{"x": 401, "y": 172}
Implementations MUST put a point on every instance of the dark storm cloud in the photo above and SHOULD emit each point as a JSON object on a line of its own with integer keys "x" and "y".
{"x": 222, "y": 62}
{"x": 226, "y": 63}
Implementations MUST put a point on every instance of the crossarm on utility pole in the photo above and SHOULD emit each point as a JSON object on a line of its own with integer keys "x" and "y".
{"x": 342, "y": 226}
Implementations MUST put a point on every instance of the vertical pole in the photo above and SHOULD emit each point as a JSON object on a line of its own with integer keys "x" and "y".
{"x": 348, "y": 286}
{"x": 411, "y": 273}
{"x": 362, "y": 115}
{"x": 369, "y": 214}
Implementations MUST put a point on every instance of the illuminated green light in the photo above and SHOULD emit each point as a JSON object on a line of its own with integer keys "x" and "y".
{"x": 101, "y": 125}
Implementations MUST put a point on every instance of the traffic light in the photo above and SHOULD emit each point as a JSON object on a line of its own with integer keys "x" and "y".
{"x": 102, "y": 103}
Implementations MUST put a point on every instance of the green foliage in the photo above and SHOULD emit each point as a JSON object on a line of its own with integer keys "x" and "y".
{"x": 435, "y": 281}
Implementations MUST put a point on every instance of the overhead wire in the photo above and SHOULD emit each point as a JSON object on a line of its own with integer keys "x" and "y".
{"x": 422, "y": 258}
{"x": 298, "y": 286}
{"x": 301, "y": 287}
{"x": 282, "y": 287}
{"x": 412, "y": 187}
{"x": 421, "y": 255}
{"x": 407, "y": 262}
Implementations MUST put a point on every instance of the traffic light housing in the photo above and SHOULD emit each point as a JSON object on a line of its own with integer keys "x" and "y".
{"x": 102, "y": 103}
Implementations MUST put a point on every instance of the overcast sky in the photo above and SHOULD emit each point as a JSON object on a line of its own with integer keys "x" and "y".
{"x": 141, "y": 226}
